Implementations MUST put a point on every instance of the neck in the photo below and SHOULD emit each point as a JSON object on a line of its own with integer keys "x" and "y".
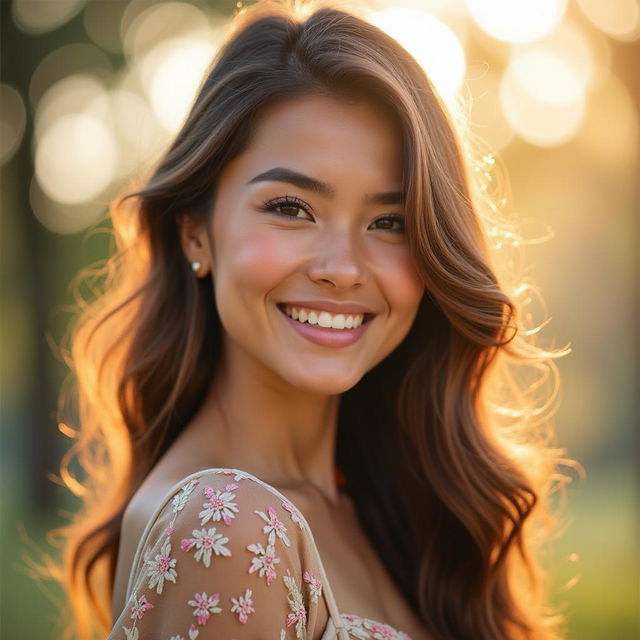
{"x": 273, "y": 430}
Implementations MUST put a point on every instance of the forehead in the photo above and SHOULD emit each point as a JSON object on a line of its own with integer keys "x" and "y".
{"x": 345, "y": 143}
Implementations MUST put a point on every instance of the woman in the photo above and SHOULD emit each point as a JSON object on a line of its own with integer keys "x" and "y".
{"x": 294, "y": 388}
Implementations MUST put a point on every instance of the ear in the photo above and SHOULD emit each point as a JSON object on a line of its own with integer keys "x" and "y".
{"x": 195, "y": 243}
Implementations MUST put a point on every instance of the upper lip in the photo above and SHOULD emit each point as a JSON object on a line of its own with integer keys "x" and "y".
{"x": 332, "y": 306}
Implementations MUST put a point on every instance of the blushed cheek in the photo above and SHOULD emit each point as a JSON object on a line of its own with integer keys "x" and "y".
{"x": 258, "y": 260}
{"x": 402, "y": 284}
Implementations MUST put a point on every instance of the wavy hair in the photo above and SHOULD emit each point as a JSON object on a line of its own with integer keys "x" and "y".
{"x": 459, "y": 415}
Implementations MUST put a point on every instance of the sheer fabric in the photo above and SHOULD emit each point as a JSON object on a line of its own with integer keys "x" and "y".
{"x": 227, "y": 556}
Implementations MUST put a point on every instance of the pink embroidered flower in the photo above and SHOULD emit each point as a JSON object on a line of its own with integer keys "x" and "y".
{"x": 384, "y": 633}
{"x": 265, "y": 562}
{"x": 237, "y": 475}
{"x": 220, "y": 505}
{"x": 315, "y": 586}
{"x": 354, "y": 626}
{"x": 243, "y": 606}
{"x": 206, "y": 541}
{"x": 274, "y": 527}
{"x": 186, "y": 544}
{"x": 161, "y": 568}
{"x": 205, "y": 605}
{"x": 298, "y": 613}
{"x": 140, "y": 607}
{"x": 169, "y": 531}
{"x": 295, "y": 514}
{"x": 380, "y": 631}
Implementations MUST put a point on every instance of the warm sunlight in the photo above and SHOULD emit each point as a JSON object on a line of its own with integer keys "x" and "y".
{"x": 517, "y": 20}
{"x": 432, "y": 43}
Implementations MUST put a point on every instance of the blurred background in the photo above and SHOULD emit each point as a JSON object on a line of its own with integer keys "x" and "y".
{"x": 92, "y": 91}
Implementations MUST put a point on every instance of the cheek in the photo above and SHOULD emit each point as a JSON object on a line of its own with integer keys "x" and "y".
{"x": 402, "y": 286}
{"x": 254, "y": 261}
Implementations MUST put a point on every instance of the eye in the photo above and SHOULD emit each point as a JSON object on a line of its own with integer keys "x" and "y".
{"x": 286, "y": 206}
{"x": 394, "y": 223}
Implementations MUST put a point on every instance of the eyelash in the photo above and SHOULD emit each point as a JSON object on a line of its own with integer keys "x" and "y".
{"x": 291, "y": 201}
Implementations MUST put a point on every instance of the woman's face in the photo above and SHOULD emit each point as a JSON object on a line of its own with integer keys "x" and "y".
{"x": 310, "y": 217}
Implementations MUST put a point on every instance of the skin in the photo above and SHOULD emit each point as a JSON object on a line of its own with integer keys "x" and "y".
{"x": 279, "y": 391}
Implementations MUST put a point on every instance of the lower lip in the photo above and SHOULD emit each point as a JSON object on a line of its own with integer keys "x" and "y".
{"x": 327, "y": 337}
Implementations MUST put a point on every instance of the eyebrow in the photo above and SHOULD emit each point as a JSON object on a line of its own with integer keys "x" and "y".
{"x": 280, "y": 174}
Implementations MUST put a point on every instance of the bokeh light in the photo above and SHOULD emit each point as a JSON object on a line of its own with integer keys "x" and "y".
{"x": 77, "y": 58}
{"x": 171, "y": 74}
{"x": 144, "y": 27}
{"x": 76, "y": 153}
{"x": 80, "y": 93}
{"x": 139, "y": 134}
{"x": 542, "y": 98}
{"x": 76, "y": 158}
{"x": 538, "y": 91}
{"x": 431, "y": 42}
{"x": 619, "y": 19}
{"x": 170, "y": 46}
{"x": 63, "y": 218}
{"x": 13, "y": 119}
{"x": 36, "y": 16}
{"x": 569, "y": 43}
{"x": 517, "y": 20}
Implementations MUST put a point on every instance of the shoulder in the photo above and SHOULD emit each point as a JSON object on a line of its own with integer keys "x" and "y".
{"x": 238, "y": 506}
{"x": 213, "y": 509}
{"x": 225, "y": 546}
{"x": 231, "y": 496}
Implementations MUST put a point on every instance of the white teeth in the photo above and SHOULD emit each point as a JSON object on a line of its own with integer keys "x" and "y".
{"x": 324, "y": 318}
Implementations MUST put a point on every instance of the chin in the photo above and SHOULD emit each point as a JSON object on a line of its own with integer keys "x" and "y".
{"x": 329, "y": 384}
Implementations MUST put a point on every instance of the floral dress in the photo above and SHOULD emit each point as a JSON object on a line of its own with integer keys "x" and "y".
{"x": 227, "y": 556}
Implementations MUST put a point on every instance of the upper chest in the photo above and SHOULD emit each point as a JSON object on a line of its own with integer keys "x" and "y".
{"x": 360, "y": 581}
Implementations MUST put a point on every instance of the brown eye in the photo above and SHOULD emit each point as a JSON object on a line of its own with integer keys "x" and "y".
{"x": 288, "y": 210}
{"x": 287, "y": 207}
{"x": 394, "y": 223}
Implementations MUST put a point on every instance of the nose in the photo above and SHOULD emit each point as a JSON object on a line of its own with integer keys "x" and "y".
{"x": 338, "y": 261}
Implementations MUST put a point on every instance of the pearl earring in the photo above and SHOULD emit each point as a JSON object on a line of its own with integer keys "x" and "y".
{"x": 195, "y": 265}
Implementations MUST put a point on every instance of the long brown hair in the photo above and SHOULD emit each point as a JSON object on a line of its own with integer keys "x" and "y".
{"x": 447, "y": 450}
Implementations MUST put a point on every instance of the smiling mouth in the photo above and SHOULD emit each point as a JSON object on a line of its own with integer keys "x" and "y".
{"x": 335, "y": 322}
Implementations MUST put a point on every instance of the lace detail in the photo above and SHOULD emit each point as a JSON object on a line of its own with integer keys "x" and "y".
{"x": 242, "y": 567}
